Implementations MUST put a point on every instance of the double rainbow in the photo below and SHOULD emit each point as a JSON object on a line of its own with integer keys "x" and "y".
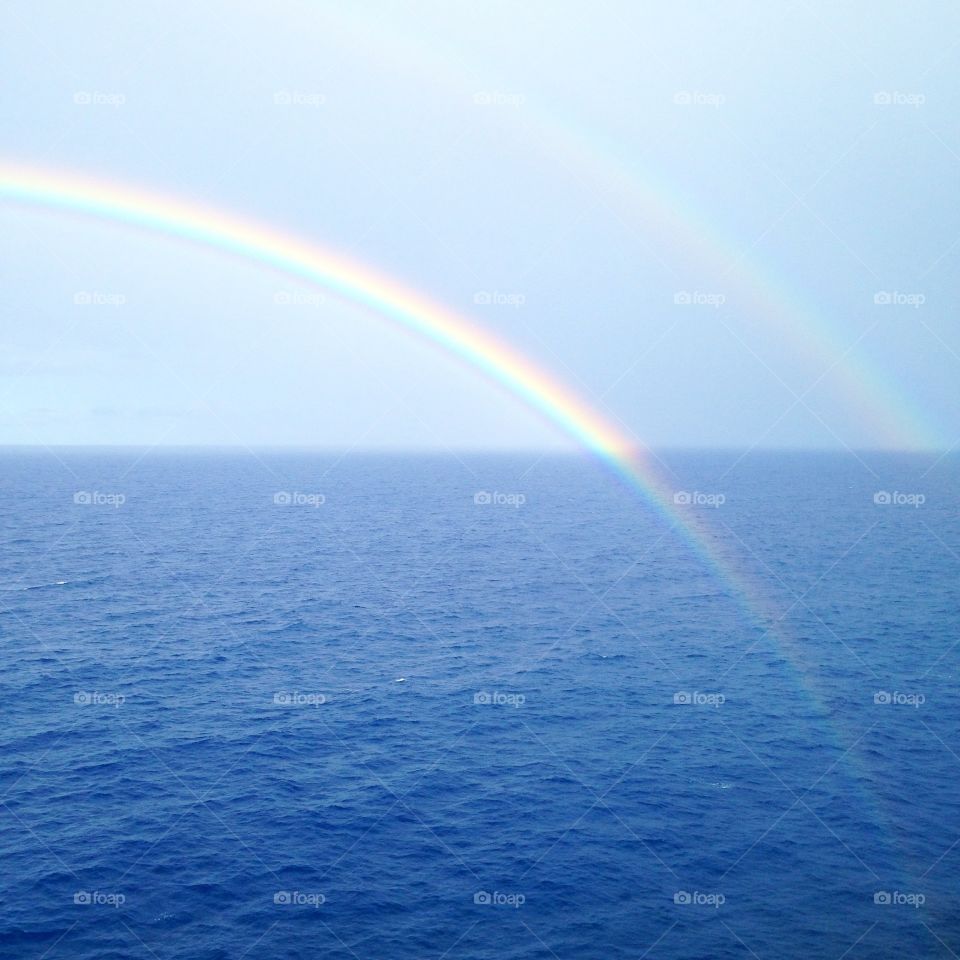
{"x": 454, "y": 334}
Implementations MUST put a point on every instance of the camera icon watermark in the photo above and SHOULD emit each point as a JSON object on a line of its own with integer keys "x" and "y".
{"x": 484, "y": 498}
{"x": 494, "y": 298}
{"x": 94, "y": 498}
{"x": 698, "y": 98}
{"x": 498, "y": 699}
{"x": 897, "y": 898}
{"x": 97, "y": 898}
{"x": 298, "y": 898}
{"x": 697, "y": 298}
{"x": 886, "y": 498}
{"x": 96, "y": 298}
{"x": 96, "y": 98}
{"x": 894, "y": 298}
{"x": 895, "y": 98}
{"x": 94, "y": 698}
{"x": 299, "y": 298}
{"x": 286, "y": 498}
{"x": 695, "y": 698}
{"x": 695, "y": 898}
{"x": 298, "y": 98}
{"x": 497, "y": 98}
{"x": 898, "y": 699}
{"x": 696, "y": 498}
{"x": 285, "y": 698}
{"x": 498, "y": 899}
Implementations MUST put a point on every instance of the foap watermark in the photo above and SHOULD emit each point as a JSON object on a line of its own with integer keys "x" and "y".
{"x": 95, "y": 498}
{"x": 899, "y": 699}
{"x": 98, "y": 898}
{"x": 299, "y": 298}
{"x": 697, "y": 298}
{"x": 897, "y": 898}
{"x": 886, "y": 498}
{"x": 299, "y": 98}
{"x": 494, "y": 298}
{"x": 95, "y": 698}
{"x": 483, "y": 498}
{"x": 499, "y": 899}
{"x": 97, "y": 98}
{"x": 698, "y": 98}
{"x": 696, "y": 498}
{"x": 96, "y": 298}
{"x": 298, "y": 898}
{"x": 696, "y": 898}
{"x": 287, "y": 498}
{"x": 896, "y": 298}
{"x": 499, "y": 699}
{"x": 498, "y": 98}
{"x": 294, "y": 698}
{"x": 897, "y": 98}
{"x": 697, "y": 699}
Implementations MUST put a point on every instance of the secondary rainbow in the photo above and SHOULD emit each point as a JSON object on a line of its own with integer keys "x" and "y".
{"x": 638, "y": 194}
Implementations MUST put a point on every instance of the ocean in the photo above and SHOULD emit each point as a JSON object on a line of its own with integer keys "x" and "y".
{"x": 307, "y": 704}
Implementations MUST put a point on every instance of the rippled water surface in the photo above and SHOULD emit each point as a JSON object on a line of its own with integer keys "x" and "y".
{"x": 301, "y": 705}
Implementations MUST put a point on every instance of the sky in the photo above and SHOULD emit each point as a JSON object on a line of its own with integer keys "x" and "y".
{"x": 722, "y": 225}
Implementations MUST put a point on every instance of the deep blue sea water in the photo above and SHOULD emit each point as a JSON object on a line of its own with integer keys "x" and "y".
{"x": 384, "y": 720}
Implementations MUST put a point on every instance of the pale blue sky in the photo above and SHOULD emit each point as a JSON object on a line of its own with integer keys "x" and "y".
{"x": 782, "y": 151}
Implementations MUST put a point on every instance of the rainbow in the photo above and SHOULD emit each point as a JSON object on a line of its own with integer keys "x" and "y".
{"x": 455, "y": 335}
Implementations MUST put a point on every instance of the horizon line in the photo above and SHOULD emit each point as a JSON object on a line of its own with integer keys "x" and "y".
{"x": 476, "y": 449}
